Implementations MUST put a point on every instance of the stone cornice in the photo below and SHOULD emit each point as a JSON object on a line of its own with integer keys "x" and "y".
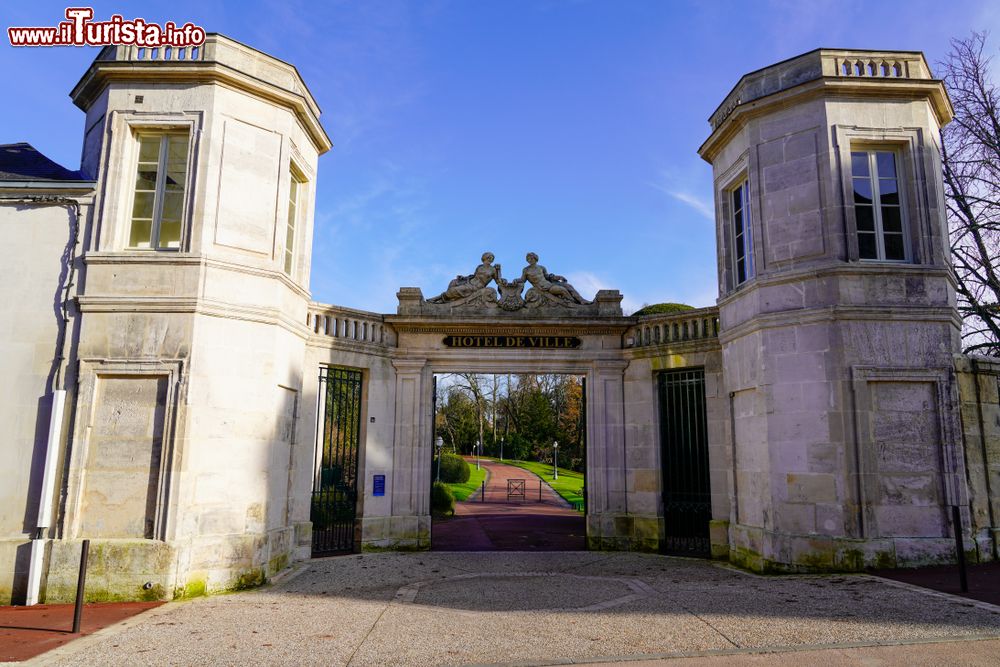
{"x": 191, "y": 305}
{"x": 402, "y": 324}
{"x": 105, "y": 72}
{"x": 897, "y": 313}
{"x": 838, "y": 269}
{"x": 153, "y": 257}
{"x": 409, "y": 365}
{"x": 341, "y": 311}
{"x": 319, "y": 342}
{"x": 679, "y": 347}
{"x": 830, "y": 87}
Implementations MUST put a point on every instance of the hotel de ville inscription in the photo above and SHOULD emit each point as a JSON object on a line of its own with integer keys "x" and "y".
{"x": 525, "y": 342}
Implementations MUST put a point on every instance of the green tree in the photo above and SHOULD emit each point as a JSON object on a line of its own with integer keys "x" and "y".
{"x": 456, "y": 421}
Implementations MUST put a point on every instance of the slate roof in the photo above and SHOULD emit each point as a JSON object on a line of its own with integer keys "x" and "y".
{"x": 23, "y": 162}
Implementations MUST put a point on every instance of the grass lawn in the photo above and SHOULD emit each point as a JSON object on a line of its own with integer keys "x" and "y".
{"x": 569, "y": 485}
{"x": 463, "y": 491}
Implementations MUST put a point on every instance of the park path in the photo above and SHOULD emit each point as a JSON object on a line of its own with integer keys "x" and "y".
{"x": 543, "y": 521}
{"x": 537, "y": 491}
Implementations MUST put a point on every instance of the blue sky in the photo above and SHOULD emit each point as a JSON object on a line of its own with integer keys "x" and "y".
{"x": 568, "y": 128}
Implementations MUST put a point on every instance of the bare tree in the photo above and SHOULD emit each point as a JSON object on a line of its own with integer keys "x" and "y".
{"x": 971, "y": 160}
{"x": 474, "y": 384}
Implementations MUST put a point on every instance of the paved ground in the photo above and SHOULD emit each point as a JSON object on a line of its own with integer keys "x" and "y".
{"x": 543, "y": 521}
{"x": 29, "y": 631}
{"x": 983, "y": 579}
{"x": 461, "y": 608}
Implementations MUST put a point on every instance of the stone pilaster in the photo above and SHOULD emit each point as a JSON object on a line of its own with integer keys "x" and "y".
{"x": 410, "y": 523}
{"x": 609, "y": 525}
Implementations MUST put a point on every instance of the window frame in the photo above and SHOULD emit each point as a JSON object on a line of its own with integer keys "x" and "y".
{"x": 742, "y": 185}
{"x": 298, "y": 183}
{"x": 163, "y": 132}
{"x": 874, "y": 177}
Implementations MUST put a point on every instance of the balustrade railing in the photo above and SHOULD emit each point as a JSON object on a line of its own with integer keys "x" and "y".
{"x": 132, "y": 52}
{"x": 348, "y": 324}
{"x": 688, "y": 325}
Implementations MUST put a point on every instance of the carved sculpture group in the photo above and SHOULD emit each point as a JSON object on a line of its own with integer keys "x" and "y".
{"x": 546, "y": 288}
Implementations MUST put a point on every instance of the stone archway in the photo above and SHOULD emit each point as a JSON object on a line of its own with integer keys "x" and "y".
{"x": 551, "y": 328}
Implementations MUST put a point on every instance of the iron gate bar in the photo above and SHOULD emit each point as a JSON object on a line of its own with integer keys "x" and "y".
{"x": 582, "y": 430}
{"x": 687, "y": 505}
{"x": 335, "y": 488}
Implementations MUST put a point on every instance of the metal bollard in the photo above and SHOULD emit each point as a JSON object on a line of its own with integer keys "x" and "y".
{"x": 956, "y": 523}
{"x": 539, "y": 490}
{"x": 482, "y": 491}
{"x": 81, "y": 582}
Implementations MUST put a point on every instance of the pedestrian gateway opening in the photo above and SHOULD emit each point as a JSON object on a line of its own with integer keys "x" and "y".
{"x": 509, "y": 462}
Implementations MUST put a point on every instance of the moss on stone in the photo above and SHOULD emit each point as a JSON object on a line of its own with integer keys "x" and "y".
{"x": 249, "y": 579}
{"x": 278, "y": 563}
{"x": 820, "y": 560}
{"x": 661, "y": 308}
{"x": 195, "y": 587}
{"x": 153, "y": 593}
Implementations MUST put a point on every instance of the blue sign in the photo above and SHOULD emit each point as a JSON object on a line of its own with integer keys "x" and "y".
{"x": 378, "y": 485}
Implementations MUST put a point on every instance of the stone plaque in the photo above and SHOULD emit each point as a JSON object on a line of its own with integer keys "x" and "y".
{"x": 522, "y": 342}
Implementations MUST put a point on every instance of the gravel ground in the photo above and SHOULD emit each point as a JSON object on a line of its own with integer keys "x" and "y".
{"x": 516, "y": 607}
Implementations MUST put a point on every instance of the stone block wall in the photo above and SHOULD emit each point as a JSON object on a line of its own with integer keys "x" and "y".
{"x": 32, "y": 290}
{"x": 978, "y": 379}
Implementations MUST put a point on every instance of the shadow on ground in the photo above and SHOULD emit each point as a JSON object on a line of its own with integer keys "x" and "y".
{"x": 503, "y": 607}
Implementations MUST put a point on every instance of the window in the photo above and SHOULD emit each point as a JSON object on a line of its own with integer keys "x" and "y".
{"x": 294, "y": 194}
{"x": 742, "y": 235}
{"x": 877, "y": 206}
{"x": 158, "y": 203}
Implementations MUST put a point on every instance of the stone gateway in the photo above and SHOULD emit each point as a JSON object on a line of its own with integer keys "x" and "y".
{"x": 188, "y": 408}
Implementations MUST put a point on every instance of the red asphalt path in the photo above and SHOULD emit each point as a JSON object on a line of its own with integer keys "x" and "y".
{"x": 29, "y": 631}
{"x": 499, "y": 524}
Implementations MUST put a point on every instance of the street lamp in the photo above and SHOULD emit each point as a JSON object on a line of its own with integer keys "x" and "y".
{"x": 501, "y": 449}
{"x": 439, "y": 443}
{"x": 555, "y": 459}
{"x": 479, "y": 450}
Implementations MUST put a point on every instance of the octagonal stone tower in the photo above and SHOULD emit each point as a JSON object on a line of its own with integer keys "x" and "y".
{"x": 192, "y": 333}
{"x": 837, "y": 310}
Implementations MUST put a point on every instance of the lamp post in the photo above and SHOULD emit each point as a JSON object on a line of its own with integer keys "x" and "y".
{"x": 439, "y": 443}
{"x": 479, "y": 449}
{"x": 501, "y": 449}
{"x": 555, "y": 459}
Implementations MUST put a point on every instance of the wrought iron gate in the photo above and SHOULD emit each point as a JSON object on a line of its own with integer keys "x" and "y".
{"x": 335, "y": 487}
{"x": 582, "y": 430}
{"x": 687, "y": 502}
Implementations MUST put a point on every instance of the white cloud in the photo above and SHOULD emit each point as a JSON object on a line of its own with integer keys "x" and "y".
{"x": 678, "y": 185}
{"x": 704, "y": 208}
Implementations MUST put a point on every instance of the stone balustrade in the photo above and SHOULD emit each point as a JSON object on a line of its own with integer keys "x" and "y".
{"x": 670, "y": 328}
{"x": 132, "y": 52}
{"x": 220, "y": 54}
{"x": 874, "y": 64}
{"x": 326, "y": 321}
{"x": 902, "y": 66}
